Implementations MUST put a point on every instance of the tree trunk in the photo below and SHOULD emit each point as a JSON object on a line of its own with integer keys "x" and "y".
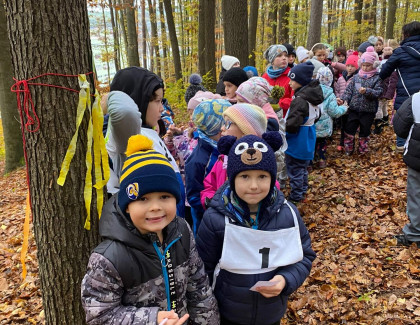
{"x": 60, "y": 32}
{"x": 115, "y": 33}
{"x": 8, "y": 107}
{"x": 174, "y": 39}
{"x": 123, "y": 27}
{"x": 143, "y": 33}
{"x": 252, "y": 31}
{"x": 284, "y": 9}
{"x": 202, "y": 29}
{"x": 210, "y": 43}
{"x": 163, "y": 39}
{"x": 314, "y": 35}
{"x": 154, "y": 39}
{"x": 390, "y": 21}
{"x": 358, "y": 17}
{"x": 235, "y": 26}
{"x": 383, "y": 18}
{"x": 106, "y": 43}
{"x": 133, "y": 47}
{"x": 272, "y": 18}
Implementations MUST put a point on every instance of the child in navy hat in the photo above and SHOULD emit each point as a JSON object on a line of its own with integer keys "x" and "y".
{"x": 147, "y": 268}
{"x": 300, "y": 128}
{"x": 250, "y": 233}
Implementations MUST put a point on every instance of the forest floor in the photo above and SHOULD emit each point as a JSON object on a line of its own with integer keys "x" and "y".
{"x": 353, "y": 209}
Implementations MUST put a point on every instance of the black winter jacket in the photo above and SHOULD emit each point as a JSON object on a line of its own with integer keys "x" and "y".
{"x": 403, "y": 121}
{"x": 236, "y": 302}
{"x": 130, "y": 275}
{"x": 406, "y": 59}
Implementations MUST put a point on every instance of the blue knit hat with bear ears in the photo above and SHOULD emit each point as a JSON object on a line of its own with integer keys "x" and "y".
{"x": 251, "y": 153}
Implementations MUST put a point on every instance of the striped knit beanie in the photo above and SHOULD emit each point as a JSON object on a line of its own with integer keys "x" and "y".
{"x": 249, "y": 118}
{"x": 145, "y": 171}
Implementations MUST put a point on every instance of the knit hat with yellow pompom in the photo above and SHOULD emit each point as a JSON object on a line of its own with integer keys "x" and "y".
{"x": 145, "y": 171}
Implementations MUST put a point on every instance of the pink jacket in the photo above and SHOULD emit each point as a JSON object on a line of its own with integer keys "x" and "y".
{"x": 341, "y": 85}
{"x": 216, "y": 178}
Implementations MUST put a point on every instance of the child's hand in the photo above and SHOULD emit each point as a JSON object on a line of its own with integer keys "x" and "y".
{"x": 362, "y": 90}
{"x": 275, "y": 290}
{"x": 172, "y": 318}
{"x": 340, "y": 101}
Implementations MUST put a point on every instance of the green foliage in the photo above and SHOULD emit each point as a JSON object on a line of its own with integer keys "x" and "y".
{"x": 366, "y": 296}
{"x": 208, "y": 82}
{"x": 174, "y": 93}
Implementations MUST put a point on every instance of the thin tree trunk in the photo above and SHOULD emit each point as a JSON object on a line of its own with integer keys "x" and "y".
{"x": 235, "y": 27}
{"x": 163, "y": 39}
{"x": 174, "y": 39}
{"x": 314, "y": 35}
{"x": 390, "y": 21}
{"x": 252, "y": 31}
{"x": 133, "y": 48}
{"x": 9, "y": 113}
{"x": 210, "y": 43}
{"x": 202, "y": 28}
{"x": 123, "y": 29}
{"x": 383, "y": 18}
{"x": 181, "y": 33}
{"x": 106, "y": 43}
{"x": 143, "y": 33}
{"x": 154, "y": 38}
{"x": 358, "y": 17}
{"x": 59, "y": 32}
{"x": 114, "y": 24}
{"x": 283, "y": 28}
{"x": 272, "y": 18}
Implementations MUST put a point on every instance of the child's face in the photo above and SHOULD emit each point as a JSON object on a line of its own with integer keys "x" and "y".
{"x": 291, "y": 58}
{"x": 280, "y": 61}
{"x": 379, "y": 46}
{"x": 341, "y": 58}
{"x": 320, "y": 55}
{"x": 252, "y": 186}
{"x": 350, "y": 69}
{"x": 294, "y": 85}
{"x": 387, "y": 50}
{"x": 367, "y": 67}
{"x": 230, "y": 128}
{"x": 152, "y": 212}
{"x": 230, "y": 89}
{"x": 155, "y": 108}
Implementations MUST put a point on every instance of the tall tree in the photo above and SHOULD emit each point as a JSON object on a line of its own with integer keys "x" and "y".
{"x": 60, "y": 32}
{"x": 143, "y": 33}
{"x": 314, "y": 34}
{"x": 154, "y": 39}
{"x": 163, "y": 38}
{"x": 106, "y": 43}
{"x": 272, "y": 18}
{"x": 235, "y": 27}
{"x": 383, "y": 18}
{"x": 132, "y": 39}
{"x": 210, "y": 44}
{"x": 390, "y": 20}
{"x": 252, "y": 31}
{"x": 8, "y": 106}
{"x": 358, "y": 18}
{"x": 114, "y": 24}
{"x": 123, "y": 25}
{"x": 283, "y": 28}
{"x": 174, "y": 39}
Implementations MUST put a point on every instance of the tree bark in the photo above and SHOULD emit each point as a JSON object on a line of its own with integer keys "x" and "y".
{"x": 115, "y": 33}
{"x": 106, "y": 43}
{"x": 132, "y": 39}
{"x": 390, "y": 20}
{"x": 123, "y": 28}
{"x": 174, "y": 39}
{"x": 284, "y": 9}
{"x": 163, "y": 39}
{"x": 154, "y": 39}
{"x": 252, "y": 31}
{"x": 9, "y": 112}
{"x": 202, "y": 29}
{"x": 272, "y": 18}
{"x": 210, "y": 57}
{"x": 57, "y": 41}
{"x": 235, "y": 26}
{"x": 358, "y": 17}
{"x": 314, "y": 35}
{"x": 143, "y": 33}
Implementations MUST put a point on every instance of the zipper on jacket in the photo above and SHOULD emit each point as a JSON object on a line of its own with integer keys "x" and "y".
{"x": 164, "y": 269}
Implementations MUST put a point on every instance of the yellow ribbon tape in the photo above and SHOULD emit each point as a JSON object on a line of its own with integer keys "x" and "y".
{"x": 25, "y": 242}
{"x": 95, "y": 140}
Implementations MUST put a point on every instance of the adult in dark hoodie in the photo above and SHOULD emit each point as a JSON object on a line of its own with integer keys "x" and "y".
{"x": 300, "y": 128}
{"x": 406, "y": 61}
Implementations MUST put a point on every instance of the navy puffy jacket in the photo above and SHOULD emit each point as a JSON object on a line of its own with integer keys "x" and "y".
{"x": 407, "y": 61}
{"x": 236, "y": 302}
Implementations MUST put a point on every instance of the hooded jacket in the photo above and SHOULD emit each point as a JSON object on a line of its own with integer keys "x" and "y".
{"x": 236, "y": 302}
{"x": 406, "y": 59}
{"x": 301, "y": 139}
{"x": 139, "y": 84}
{"x": 128, "y": 275}
{"x": 403, "y": 123}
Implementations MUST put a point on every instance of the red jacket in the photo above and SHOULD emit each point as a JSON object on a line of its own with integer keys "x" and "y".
{"x": 282, "y": 81}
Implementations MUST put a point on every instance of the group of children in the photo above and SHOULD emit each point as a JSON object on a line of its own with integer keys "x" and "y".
{"x": 248, "y": 248}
